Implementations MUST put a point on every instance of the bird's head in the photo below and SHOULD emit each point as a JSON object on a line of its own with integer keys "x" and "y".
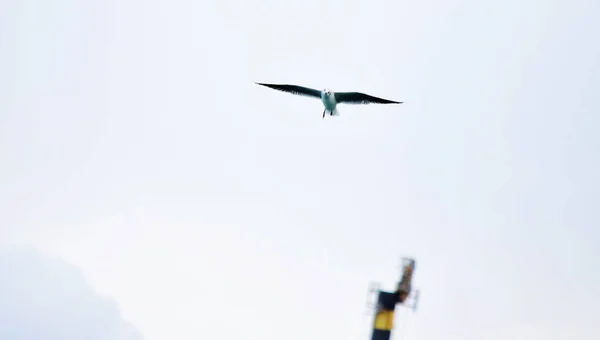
{"x": 327, "y": 92}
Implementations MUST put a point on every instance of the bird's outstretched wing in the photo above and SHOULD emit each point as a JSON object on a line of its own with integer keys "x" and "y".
{"x": 294, "y": 89}
{"x": 360, "y": 98}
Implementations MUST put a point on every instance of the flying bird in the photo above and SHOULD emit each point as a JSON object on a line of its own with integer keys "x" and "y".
{"x": 329, "y": 98}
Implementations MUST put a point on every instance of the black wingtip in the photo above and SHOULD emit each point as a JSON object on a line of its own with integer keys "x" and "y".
{"x": 262, "y": 84}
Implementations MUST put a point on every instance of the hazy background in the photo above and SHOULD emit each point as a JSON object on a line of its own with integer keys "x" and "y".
{"x": 42, "y": 297}
{"x": 134, "y": 145}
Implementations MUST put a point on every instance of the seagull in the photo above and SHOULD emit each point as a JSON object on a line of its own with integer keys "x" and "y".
{"x": 329, "y": 98}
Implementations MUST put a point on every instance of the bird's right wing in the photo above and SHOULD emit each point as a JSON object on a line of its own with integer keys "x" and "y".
{"x": 294, "y": 89}
{"x": 361, "y": 98}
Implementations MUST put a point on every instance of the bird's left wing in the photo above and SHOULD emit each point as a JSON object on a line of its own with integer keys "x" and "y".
{"x": 294, "y": 89}
{"x": 360, "y": 98}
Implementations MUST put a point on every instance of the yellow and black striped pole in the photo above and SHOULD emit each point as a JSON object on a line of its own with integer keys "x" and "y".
{"x": 386, "y": 304}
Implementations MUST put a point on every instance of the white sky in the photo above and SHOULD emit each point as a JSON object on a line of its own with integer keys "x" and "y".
{"x": 134, "y": 144}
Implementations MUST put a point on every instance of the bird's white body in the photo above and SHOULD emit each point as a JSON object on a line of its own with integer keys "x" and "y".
{"x": 329, "y": 102}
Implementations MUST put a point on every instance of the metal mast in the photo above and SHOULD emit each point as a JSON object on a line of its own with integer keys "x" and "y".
{"x": 385, "y": 306}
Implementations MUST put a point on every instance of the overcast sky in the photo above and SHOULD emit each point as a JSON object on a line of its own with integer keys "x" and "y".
{"x": 135, "y": 145}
